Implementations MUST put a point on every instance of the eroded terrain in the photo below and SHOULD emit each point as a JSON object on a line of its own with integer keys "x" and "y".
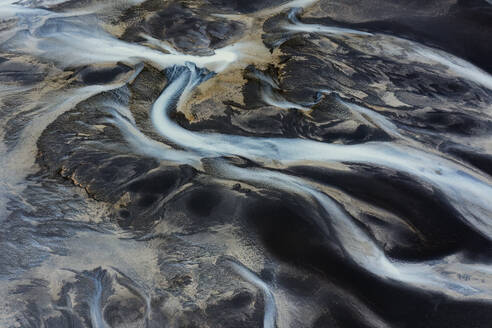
{"x": 220, "y": 163}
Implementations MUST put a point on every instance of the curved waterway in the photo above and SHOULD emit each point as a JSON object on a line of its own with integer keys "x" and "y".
{"x": 245, "y": 163}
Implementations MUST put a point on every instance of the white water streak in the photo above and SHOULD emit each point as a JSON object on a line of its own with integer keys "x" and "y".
{"x": 270, "y": 307}
{"x": 371, "y": 117}
{"x": 76, "y": 44}
{"x": 355, "y": 242}
{"x": 322, "y": 29}
{"x": 95, "y": 307}
{"x": 298, "y": 26}
{"x": 272, "y": 98}
{"x": 467, "y": 191}
{"x": 457, "y": 65}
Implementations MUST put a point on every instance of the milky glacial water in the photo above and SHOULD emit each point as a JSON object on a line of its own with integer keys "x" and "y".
{"x": 130, "y": 196}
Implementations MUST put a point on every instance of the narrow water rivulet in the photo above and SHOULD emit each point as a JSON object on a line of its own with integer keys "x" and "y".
{"x": 209, "y": 163}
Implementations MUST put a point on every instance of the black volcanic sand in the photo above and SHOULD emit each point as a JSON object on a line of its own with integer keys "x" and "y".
{"x": 459, "y": 27}
{"x": 101, "y": 235}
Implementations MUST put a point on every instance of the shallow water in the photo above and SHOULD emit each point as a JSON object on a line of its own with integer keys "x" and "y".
{"x": 232, "y": 164}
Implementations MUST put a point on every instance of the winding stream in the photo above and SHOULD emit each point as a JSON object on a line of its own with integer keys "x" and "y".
{"x": 273, "y": 170}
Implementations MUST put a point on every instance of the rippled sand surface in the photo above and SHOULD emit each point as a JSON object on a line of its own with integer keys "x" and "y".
{"x": 230, "y": 163}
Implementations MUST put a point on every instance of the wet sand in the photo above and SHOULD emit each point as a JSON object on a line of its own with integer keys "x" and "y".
{"x": 245, "y": 164}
